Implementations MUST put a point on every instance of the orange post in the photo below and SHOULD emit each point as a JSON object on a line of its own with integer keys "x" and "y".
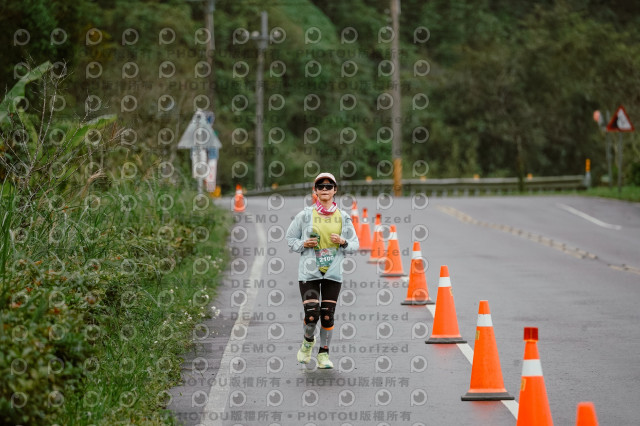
{"x": 392, "y": 259}
{"x": 586, "y": 415}
{"x": 486, "y": 374}
{"x": 417, "y": 292}
{"x": 533, "y": 409}
{"x": 355, "y": 218}
{"x": 365, "y": 232}
{"x": 239, "y": 202}
{"x": 445, "y": 322}
{"x": 377, "y": 250}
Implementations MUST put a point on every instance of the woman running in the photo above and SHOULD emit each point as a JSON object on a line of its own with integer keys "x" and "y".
{"x": 322, "y": 234}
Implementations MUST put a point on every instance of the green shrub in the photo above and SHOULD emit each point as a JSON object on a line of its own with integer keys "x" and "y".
{"x": 99, "y": 303}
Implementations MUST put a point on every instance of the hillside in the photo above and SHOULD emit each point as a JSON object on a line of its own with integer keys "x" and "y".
{"x": 511, "y": 87}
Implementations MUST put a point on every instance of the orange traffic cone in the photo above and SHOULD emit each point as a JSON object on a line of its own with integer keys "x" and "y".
{"x": 392, "y": 260}
{"x": 445, "y": 321}
{"x": 417, "y": 293}
{"x": 377, "y": 250}
{"x": 586, "y": 414}
{"x": 365, "y": 232}
{"x": 533, "y": 409}
{"x": 486, "y": 374}
{"x": 355, "y": 218}
{"x": 239, "y": 202}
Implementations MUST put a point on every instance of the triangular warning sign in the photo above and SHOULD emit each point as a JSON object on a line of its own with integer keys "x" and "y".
{"x": 620, "y": 122}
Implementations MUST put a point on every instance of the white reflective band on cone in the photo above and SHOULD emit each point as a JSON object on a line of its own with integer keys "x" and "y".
{"x": 484, "y": 320}
{"x": 444, "y": 282}
{"x": 393, "y": 236}
{"x": 416, "y": 255}
{"x": 531, "y": 367}
{"x": 378, "y": 228}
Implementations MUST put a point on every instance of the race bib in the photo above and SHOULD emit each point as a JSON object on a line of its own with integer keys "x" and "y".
{"x": 324, "y": 257}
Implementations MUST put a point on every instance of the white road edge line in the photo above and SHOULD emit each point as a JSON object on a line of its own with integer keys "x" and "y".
{"x": 512, "y": 406}
{"x": 218, "y": 394}
{"x": 466, "y": 350}
{"x": 587, "y": 217}
{"x": 432, "y": 309}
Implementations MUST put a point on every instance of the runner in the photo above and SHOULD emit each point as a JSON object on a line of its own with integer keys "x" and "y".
{"x": 322, "y": 234}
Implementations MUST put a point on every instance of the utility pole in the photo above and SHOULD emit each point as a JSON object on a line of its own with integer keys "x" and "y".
{"x": 211, "y": 44}
{"x": 609, "y": 173}
{"x": 261, "y": 40}
{"x": 396, "y": 110}
{"x": 608, "y": 141}
{"x": 211, "y": 48}
{"x": 210, "y": 10}
{"x": 619, "y": 163}
{"x": 200, "y": 154}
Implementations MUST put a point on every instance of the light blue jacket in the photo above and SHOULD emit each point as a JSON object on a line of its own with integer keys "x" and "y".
{"x": 299, "y": 231}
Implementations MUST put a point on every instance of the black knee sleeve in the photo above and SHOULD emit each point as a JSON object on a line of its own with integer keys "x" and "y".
{"x": 311, "y": 312}
{"x": 326, "y": 314}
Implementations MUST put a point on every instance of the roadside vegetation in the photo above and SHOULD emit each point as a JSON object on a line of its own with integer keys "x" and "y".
{"x": 109, "y": 258}
{"x": 105, "y": 277}
{"x": 627, "y": 193}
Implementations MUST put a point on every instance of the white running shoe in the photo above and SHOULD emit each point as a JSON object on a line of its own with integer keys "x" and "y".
{"x": 323, "y": 360}
{"x": 304, "y": 354}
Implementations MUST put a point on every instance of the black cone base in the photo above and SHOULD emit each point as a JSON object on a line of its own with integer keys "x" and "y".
{"x": 418, "y": 302}
{"x": 446, "y": 340}
{"x": 488, "y": 396}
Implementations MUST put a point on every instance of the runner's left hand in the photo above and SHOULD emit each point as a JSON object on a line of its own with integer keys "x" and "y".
{"x": 335, "y": 238}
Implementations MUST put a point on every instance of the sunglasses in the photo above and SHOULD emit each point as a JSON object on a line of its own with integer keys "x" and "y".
{"x": 325, "y": 186}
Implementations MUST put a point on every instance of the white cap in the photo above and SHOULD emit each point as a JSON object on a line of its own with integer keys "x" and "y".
{"x": 325, "y": 176}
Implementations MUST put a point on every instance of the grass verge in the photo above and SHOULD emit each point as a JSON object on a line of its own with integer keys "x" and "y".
{"x": 627, "y": 193}
{"x": 100, "y": 296}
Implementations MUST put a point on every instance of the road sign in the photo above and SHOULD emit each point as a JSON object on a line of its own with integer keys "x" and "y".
{"x": 620, "y": 122}
{"x": 202, "y": 140}
{"x": 199, "y": 132}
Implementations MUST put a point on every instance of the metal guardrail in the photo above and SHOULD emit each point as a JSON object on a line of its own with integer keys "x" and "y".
{"x": 440, "y": 187}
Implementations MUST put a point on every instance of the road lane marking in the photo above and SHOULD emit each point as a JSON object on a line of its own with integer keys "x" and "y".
{"x": 587, "y": 217}
{"x": 432, "y": 309}
{"x": 545, "y": 241}
{"x": 512, "y": 406}
{"x": 625, "y": 268}
{"x": 466, "y": 350}
{"x": 540, "y": 239}
{"x": 218, "y": 394}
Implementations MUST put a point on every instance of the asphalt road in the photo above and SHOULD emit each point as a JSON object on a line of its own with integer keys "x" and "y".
{"x": 567, "y": 265}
